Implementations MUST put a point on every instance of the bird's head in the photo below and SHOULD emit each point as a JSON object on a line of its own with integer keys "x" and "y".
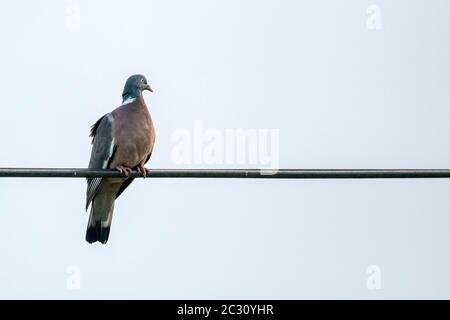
{"x": 134, "y": 87}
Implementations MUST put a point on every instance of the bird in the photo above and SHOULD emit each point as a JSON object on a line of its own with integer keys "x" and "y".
{"x": 122, "y": 140}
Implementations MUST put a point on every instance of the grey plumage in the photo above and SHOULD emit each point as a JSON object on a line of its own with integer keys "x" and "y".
{"x": 102, "y": 152}
{"x": 122, "y": 139}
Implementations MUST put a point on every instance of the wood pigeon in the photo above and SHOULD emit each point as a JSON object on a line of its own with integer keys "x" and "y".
{"x": 122, "y": 140}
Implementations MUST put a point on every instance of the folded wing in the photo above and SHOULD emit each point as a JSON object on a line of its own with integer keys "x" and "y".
{"x": 103, "y": 150}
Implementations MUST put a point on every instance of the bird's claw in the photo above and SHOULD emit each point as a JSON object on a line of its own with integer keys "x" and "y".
{"x": 124, "y": 170}
{"x": 143, "y": 170}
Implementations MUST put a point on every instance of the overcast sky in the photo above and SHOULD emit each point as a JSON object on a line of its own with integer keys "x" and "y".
{"x": 338, "y": 84}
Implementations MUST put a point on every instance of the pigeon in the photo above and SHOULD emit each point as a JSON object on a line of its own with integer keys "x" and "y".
{"x": 123, "y": 140}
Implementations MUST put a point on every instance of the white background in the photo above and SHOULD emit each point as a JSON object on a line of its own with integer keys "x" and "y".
{"x": 342, "y": 96}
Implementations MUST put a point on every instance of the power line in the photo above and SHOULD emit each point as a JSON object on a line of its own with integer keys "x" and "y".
{"x": 231, "y": 173}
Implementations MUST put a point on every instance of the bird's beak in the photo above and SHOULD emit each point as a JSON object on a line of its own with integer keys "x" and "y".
{"x": 147, "y": 87}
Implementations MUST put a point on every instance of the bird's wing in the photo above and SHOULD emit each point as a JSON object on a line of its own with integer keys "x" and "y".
{"x": 148, "y": 157}
{"x": 124, "y": 185}
{"x": 128, "y": 181}
{"x": 103, "y": 150}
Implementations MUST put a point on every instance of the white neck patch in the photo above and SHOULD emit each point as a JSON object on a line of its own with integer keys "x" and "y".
{"x": 127, "y": 101}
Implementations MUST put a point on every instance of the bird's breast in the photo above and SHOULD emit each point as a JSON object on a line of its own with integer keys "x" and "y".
{"x": 134, "y": 137}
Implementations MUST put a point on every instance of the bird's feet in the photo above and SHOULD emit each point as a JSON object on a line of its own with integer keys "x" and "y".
{"x": 124, "y": 170}
{"x": 143, "y": 170}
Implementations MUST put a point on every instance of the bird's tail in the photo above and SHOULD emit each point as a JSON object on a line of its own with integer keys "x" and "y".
{"x": 100, "y": 218}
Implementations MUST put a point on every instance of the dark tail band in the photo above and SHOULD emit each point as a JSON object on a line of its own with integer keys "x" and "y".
{"x": 97, "y": 233}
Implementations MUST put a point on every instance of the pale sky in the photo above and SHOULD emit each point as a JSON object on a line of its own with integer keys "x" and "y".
{"x": 341, "y": 91}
